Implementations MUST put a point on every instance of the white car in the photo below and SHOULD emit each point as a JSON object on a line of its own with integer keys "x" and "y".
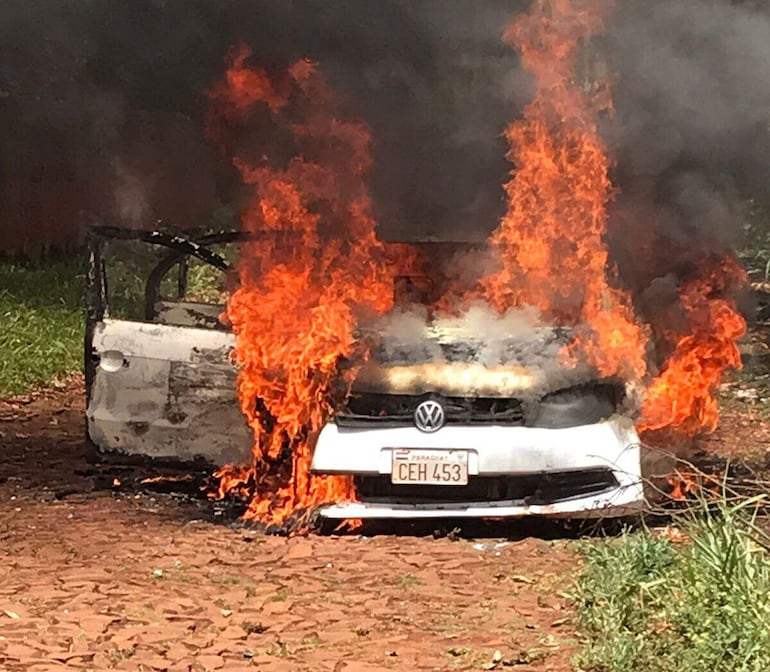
{"x": 424, "y": 436}
{"x": 454, "y": 438}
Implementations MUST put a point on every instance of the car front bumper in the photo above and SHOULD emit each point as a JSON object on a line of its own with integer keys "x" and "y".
{"x": 492, "y": 451}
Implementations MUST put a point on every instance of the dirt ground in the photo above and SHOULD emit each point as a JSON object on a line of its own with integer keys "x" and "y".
{"x": 98, "y": 573}
{"x": 100, "y": 569}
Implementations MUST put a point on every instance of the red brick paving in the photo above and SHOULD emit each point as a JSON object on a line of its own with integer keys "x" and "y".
{"x": 106, "y": 583}
{"x": 126, "y": 580}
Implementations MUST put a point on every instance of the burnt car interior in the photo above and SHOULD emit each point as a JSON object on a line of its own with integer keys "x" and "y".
{"x": 159, "y": 304}
{"x": 168, "y": 295}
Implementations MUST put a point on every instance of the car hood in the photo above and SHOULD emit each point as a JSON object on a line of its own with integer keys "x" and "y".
{"x": 453, "y": 362}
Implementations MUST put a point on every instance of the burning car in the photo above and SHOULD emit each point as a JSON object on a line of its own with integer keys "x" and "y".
{"x": 327, "y": 369}
{"x": 455, "y": 425}
{"x": 472, "y": 417}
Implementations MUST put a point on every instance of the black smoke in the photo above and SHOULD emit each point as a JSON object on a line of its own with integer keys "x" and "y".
{"x": 108, "y": 99}
{"x": 103, "y": 105}
{"x": 692, "y": 101}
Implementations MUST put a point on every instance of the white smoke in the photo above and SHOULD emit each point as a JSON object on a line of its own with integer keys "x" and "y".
{"x": 477, "y": 351}
{"x": 132, "y": 203}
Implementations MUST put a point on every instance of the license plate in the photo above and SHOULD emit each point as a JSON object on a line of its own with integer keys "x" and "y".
{"x": 430, "y": 467}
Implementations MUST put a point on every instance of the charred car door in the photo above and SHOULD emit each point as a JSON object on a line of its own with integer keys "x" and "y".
{"x": 159, "y": 377}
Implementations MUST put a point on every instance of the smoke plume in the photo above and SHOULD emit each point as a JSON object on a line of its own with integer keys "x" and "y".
{"x": 91, "y": 93}
{"x": 692, "y": 100}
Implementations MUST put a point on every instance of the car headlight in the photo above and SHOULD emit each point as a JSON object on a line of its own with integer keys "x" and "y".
{"x": 575, "y": 406}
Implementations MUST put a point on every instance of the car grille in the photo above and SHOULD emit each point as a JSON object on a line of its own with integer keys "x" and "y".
{"x": 397, "y": 410}
{"x": 528, "y": 489}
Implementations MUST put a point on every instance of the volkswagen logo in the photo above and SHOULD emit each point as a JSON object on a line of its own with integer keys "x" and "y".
{"x": 429, "y": 416}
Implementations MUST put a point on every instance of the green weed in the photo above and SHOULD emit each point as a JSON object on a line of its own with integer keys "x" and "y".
{"x": 42, "y": 307}
{"x": 42, "y": 316}
{"x": 645, "y": 604}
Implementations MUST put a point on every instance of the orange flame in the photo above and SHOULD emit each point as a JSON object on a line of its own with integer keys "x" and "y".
{"x": 683, "y": 485}
{"x": 681, "y": 399}
{"x": 550, "y": 243}
{"x": 688, "y": 483}
{"x": 301, "y": 288}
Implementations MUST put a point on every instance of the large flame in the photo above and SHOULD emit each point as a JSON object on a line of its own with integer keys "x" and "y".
{"x": 552, "y": 247}
{"x": 551, "y": 241}
{"x": 314, "y": 262}
{"x": 680, "y": 401}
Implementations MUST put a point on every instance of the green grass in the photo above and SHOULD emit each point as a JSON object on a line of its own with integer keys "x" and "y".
{"x": 754, "y": 252}
{"x": 645, "y": 604}
{"x": 42, "y": 315}
{"x": 42, "y": 308}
